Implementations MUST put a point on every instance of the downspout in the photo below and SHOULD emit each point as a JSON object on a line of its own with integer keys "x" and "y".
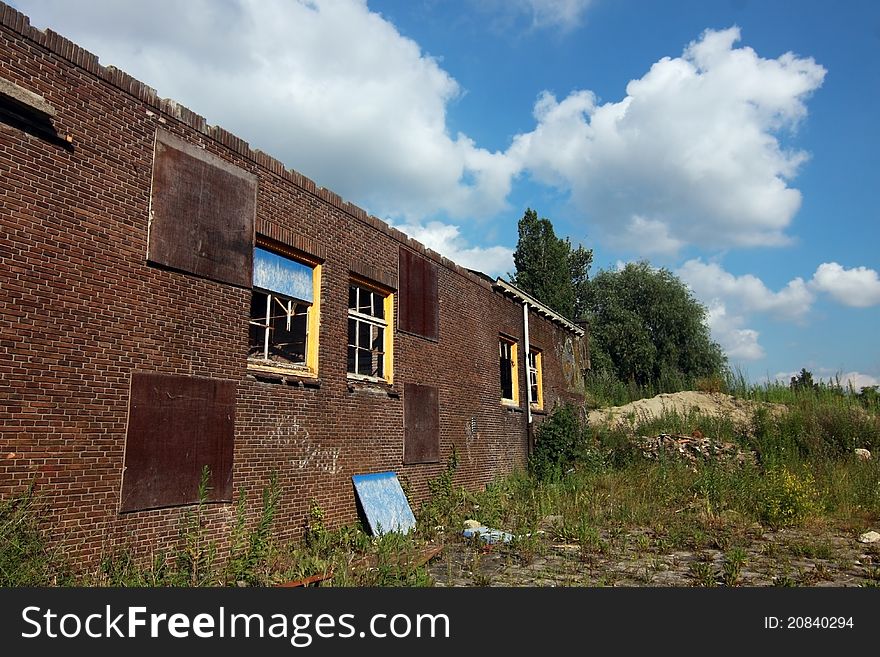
{"x": 529, "y": 437}
{"x": 526, "y": 361}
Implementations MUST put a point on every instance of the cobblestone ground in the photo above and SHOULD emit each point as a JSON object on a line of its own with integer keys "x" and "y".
{"x": 750, "y": 556}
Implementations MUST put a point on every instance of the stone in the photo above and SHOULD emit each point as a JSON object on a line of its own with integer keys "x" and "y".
{"x": 869, "y": 537}
{"x": 863, "y": 454}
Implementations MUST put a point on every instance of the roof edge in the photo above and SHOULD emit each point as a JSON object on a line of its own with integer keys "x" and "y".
{"x": 542, "y": 309}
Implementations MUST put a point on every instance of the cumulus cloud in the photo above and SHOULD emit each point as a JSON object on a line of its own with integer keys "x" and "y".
{"x": 327, "y": 86}
{"x": 446, "y": 240}
{"x": 738, "y": 343}
{"x": 858, "y": 287}
{"x": 857, "y": 380}
{"x": 734, "y": 300}
{"x": 691, "y": 153}
{"x": 709, "y": 281}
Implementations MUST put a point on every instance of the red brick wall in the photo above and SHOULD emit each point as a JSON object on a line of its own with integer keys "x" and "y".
{"x": 81, "y": 309}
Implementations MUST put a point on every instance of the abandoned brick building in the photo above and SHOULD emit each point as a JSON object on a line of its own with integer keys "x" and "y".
{"x": 172, "y": 299}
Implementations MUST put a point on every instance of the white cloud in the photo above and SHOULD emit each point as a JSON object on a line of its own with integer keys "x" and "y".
{"x": 734, "y": 300}
{"x": 689, "y": 156}
{"x": 858, "y": 287}
{"x": 446, "y": 240}
{"x": 691, "y": 152}
{"x": 857, "y": 380}
{"x": 327, "y": 86}
{"x": 567, "y": 14}
{"x": 709, "y": 281}
{"x": 736, "y": 341}
{"x": 562, "y": 14}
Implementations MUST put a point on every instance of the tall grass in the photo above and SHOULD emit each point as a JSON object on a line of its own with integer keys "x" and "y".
{"x": 605, "y": 389}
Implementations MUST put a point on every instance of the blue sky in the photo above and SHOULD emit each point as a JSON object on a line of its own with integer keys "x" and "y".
{"x": 734, "y": 142}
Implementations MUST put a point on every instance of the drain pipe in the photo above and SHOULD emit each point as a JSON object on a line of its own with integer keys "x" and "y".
{"x": 526, "y": 362}
{"x": 530, "y": 437}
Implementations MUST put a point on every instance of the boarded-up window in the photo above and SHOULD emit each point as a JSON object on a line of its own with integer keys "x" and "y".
{"x": 201, "y": 213}
{"x": 421, "y": 422}
{"x": 419, "y": 309}
{"x": 177, "y": 426}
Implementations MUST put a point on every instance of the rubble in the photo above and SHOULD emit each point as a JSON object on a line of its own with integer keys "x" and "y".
{"x": 694, "y": 449}
{"x": 869, "y": 537}
{"x": 863, "y": 454}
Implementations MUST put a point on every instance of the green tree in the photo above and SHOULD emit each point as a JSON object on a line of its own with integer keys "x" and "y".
{"x": 803, "y": 380}
{"x": 646, "y": 327}
{"x": 548, "y": 268}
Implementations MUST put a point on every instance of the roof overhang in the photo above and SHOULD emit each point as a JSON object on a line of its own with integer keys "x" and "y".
{"x": 523, "y": 297}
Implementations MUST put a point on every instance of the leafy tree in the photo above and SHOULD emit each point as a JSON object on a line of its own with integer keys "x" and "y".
{"x": 548, "y": 268}
{"x": 803, "y": 380}
{"x": 646, "y": 327}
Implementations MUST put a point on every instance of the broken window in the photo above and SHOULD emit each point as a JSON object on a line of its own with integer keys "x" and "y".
{"x": 507, "y": 359}
{"x": 369, "y": 341}
{"x": 30, "y": 112}
{"x": 536, "y": 386}
{"x": 284, "y": 312}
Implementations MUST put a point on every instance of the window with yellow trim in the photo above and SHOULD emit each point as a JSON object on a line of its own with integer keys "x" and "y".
{"x": 283, "y": 325}
{"x": 507, "y": 358}
{"x": 370, "y": 322}
{"x": 536, "y": 385}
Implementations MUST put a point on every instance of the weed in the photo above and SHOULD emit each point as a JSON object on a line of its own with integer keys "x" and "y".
{"x": 25, "y": 558}
{"x": 787, "y": 497}
{"x": 251, "y": 549}
{"x": 811, "y": 549}
{"x": 703, "y": 573}
{"x": 732, "y": 568}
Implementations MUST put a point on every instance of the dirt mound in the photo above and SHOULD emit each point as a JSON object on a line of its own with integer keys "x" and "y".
{"x": 714, "y": 404}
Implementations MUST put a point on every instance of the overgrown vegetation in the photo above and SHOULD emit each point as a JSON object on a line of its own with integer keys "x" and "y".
{"x": 591, "y": 480}
{"x": 560, "y": 441}
{"x": 25, "y": 559}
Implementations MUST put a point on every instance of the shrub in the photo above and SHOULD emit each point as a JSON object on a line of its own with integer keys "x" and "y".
{"x": 788, "y": 498}
{"x": 559, "y": 441}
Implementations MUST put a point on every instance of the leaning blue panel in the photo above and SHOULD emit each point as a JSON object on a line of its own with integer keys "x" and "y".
{"x": 276, "y": 273}
{"x": 384, "y": 503}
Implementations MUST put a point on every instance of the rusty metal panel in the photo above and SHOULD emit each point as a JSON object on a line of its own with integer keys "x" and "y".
{"x": 176, "y": 426}
{"x": 421, "y": 424}
{"x": 419, "y": 307}
{"x": 202, "y": 211}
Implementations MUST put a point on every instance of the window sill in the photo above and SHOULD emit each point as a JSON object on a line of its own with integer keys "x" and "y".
{"x": 538, "y": 410}
{"x": 371, "y": 385}
{"x": 291, "y": 377}
{"x": 513, "y": 408}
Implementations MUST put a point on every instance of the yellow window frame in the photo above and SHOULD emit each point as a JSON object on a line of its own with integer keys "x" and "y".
{"x": 388, "y": 309}
{"x": 514, "y": 370}
{"x": 313, "y": 318}
{"x": 538, "y": 369}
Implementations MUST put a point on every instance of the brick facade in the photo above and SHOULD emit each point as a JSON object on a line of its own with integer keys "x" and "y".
{"x": 81, "y": 310}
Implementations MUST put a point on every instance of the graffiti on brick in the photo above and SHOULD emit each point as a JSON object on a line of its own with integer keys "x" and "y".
{"x": 292, "y": 437}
